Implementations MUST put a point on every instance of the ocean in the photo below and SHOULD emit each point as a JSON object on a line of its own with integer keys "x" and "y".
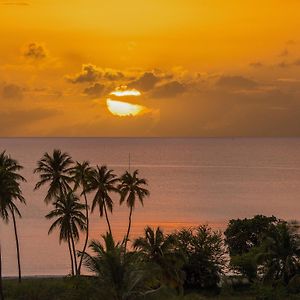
{"x": 191, "y": 180}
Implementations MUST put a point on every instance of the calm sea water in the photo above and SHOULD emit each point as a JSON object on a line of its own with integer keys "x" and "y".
{"x": 192, "y": 181}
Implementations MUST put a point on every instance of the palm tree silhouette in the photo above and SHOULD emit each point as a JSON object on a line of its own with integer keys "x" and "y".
{"x": 81, "y": 174}
{"x": 1, "y": 282}
{"x": 69, "y": 218}
{"x": 103, "y": 181}
{"x": 154, "y": 244}
{"x": 54, "y": 170}
{"x": 120, "y": 278}
{"x": 131, "y": 188}
{"x": 161, "y": 250}
{"x": 10, "y": 191}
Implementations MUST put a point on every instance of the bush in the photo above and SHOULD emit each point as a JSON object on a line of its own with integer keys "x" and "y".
{"x": 203, "y": 251}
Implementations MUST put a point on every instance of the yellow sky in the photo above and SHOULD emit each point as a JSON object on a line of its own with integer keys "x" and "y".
{"x": 204, "y": 68}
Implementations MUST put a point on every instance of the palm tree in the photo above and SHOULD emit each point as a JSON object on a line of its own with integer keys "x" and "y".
{"x": 103, "y": 181}
{"x": 1, "y": 283}
{"x": 81, "y": 175}
{"x": 54, "y": 170}
{"x": 161, "y": 250}
{"x": 131, "y": 188}
{"x": 154, "y": 244}
{"x": 119, "y": 278}
{"x": 69, "y": 218}
{"x": 10, "y": 191}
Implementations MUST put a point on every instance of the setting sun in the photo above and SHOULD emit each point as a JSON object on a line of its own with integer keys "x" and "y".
{"x": 123, "y": 93}
{"x": 123, "y": 109}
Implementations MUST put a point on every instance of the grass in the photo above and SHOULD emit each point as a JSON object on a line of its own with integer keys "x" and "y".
{"x": 50, "y": 289}
{"x": 85, "y": 288}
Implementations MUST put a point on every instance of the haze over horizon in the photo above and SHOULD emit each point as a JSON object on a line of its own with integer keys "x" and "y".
{"x": 150, "y": 68}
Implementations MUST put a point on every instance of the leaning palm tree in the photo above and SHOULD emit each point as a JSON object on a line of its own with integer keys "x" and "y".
{"x": 132, "y": 188}
{"x": 54, "y": 170}
{"x": 81, "y": 174}
{"x": 69, "y": 219}
{"x": 103, "y": 181}
{"x": 10, "y": 191}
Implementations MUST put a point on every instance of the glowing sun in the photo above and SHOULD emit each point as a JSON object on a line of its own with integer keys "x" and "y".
{"x": 125, "y": 92}
{"x": 123, "y": 109}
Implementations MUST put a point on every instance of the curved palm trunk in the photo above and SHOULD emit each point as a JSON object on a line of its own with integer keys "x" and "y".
{"x": 74, "y": 253}
{"x": 1, "y": 285}
{"x": 71, "y": 256}
{"x": 87, "y": 232}
{"x": 17, "y": 244}
{"x": 107, "y": 220}
{"x": 128, "y": 230}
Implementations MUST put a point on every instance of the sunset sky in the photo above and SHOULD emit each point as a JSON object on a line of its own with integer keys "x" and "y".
{"x": 198, "y": 68}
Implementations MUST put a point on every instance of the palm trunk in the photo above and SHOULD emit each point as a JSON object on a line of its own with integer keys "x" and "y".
{"x": 107, "y": 220}
{"x": 87, "y": 232}
{"x": 128, "y": 231}
{"x": 17, "y": 245}
{"x": 71, "y": 255}
{"x": 74, "y": 253}
{"x": 1, "y": 285}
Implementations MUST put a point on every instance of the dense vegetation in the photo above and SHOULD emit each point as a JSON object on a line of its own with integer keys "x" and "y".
{"x": 257, "y": 258}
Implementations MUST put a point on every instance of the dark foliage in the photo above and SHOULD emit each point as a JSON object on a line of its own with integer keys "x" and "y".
{"x": 203, "y": 251}
{"x": 243, "y": 238}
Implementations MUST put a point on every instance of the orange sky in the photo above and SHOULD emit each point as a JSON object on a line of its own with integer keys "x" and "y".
{"x": 204, "y": 68}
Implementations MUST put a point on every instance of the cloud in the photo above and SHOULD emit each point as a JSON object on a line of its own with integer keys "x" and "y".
{"x": 288, "y": 80}
{"x": 256, "y": 64}
{"x": 89, "y": 73}
{"x": 216, "y": 112}
{"x": 95, "y": 90}
{"x": 284, "y": 53}
{"x": 111, "y": 126}
{"x": 113, "y": 75}
{"x": 169, "y": 89}
{"x": 297, "y": 62}
{"x": 12, "y": 122}
{"x": 12, "y": 91}
{"x": 146, "y": 82}
{"x": 291, "y": 42}
{"x": 236, "y": 82}
{"x": 35, "y": 51}
{"x": 283, "y": 64}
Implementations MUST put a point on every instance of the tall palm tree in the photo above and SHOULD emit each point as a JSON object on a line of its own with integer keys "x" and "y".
{"x": 81, "y": 174}
{"x": 10, "y": 191}
{"x": 1, "y": 281}
{"x": 68, "y": 218}
{"x": 131, "y": 189}
{"x": 54, "y": 170}
{"x": 103, "y": 181}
